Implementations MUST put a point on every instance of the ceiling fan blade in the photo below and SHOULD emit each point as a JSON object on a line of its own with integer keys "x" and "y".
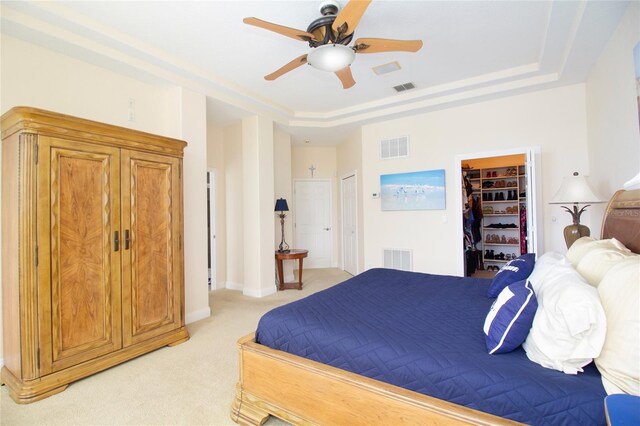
{"x": 377, "y": 45}
{"x": 300, "y": 60}
{"x": 280, "y": 29}
{"x": 346, "y": 77}
{"x": 349, "y": 17}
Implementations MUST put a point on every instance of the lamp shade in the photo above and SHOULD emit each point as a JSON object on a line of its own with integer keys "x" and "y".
{"x": 575, "y": 189}
{"x": 331, "y": 57}
{"x": 281, "y": 205}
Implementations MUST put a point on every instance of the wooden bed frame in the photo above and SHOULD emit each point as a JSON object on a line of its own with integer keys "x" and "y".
{"x": 302, "y": 391}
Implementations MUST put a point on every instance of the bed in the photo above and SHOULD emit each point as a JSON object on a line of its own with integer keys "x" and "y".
{"x": 304, "y": 376}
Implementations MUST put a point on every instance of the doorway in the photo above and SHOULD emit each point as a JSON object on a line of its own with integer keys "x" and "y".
{"x": 211, "y": 228}
{"x": 497, "y": 213}
{"x": 312, "y": 224}
{"x": 349, "y": 224}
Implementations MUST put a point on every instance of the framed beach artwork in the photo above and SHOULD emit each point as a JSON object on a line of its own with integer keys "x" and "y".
{"x": 413, "y": 191}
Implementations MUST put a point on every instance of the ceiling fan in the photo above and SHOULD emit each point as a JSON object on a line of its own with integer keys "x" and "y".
{"x": 329, "y": 37}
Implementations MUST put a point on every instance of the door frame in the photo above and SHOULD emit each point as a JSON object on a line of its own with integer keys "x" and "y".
{"x": 342, "y": 178}
{"x": 532, "y": 163}
{"x": 213, "y": 180}
{"x": 295, "y": 219}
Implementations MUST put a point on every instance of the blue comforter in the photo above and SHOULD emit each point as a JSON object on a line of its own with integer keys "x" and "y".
{"x": 424, "y": 333}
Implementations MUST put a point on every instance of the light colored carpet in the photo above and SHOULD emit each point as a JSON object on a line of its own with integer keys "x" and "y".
{"x": 189, "y": 384}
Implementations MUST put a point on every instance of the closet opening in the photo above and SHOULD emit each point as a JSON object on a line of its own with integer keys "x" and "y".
{"x": 496, "y": 209}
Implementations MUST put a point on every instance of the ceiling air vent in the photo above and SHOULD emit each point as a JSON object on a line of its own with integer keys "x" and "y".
{"x": 386, "y": 68}
{"x": 403, "y": 87}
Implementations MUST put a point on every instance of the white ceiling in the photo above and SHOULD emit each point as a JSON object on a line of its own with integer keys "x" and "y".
{"x": 473, "y": 50}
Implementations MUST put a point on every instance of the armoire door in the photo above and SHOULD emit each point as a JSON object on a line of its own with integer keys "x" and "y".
{"x": 78, "y": 257}
{"x": 152, "y": 267}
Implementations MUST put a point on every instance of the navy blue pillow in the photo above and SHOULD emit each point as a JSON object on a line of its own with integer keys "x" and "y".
{"x": 517, "y": 269}
{"x": 510, "y": 318}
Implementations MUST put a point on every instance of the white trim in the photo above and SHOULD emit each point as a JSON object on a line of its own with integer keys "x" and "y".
{"x": 213, "y": 183}
{"x": 342, "y": 178}
{"x": 197, "y": 315}
{"x": 264, "y": 291}
{"x": 533, "y": 178}
{"x": 332, "y": 262}
{"x": 233, "y": 285}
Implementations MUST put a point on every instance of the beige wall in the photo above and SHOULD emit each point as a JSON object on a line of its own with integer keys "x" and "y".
{"x": 554, "y": 120}
{"x": 258, "y": 196}
{"x": 192, "y": 113}
{"x": 37, "y": 77}
{"x": 323, "y": 158}
{"x": 215, "y": 161}
{"x": 283, "y": 189}
{"x": 233, "y": 206}
{"x": 612, "y": 113}
{"x": 349, "y": 160}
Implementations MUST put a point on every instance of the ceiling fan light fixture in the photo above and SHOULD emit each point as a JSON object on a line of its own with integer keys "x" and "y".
{"x": 331, "y": 57}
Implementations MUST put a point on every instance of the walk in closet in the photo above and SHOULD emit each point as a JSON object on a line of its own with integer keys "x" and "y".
{"x": 495, "y": 212}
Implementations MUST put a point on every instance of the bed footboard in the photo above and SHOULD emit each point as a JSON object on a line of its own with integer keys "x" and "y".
{"x": 302, "y": 391}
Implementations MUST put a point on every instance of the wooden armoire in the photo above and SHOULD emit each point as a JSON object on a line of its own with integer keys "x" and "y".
{"x": 92, "y": 252}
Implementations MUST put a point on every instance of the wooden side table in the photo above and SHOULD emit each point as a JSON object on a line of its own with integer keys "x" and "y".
{"x": 291, "y": 254}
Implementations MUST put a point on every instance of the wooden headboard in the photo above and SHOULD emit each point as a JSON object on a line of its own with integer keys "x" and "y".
{"x": 622, "y": 219}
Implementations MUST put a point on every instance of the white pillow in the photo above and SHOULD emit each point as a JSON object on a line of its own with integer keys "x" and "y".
{"x": 578, "y": 249}
{"x": 569, "y": 328}
{"x": 585, "y": 244}
{"x": 619, "y": 361}
{"x": 545, "y": 264}
{"x": 596, "y": 263}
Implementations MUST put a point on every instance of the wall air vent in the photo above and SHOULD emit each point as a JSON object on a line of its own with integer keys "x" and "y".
{"x": 394, "y": 148}
{"x": 398, "y": 259}
{"x": 404, "y": 87}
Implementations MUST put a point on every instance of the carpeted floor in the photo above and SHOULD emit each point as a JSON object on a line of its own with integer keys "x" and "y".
{"x": 189, "y": 384}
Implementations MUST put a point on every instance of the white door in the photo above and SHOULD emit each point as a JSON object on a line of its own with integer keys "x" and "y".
{"x": 349, "y": 226}
{"x": 313, "y": 221}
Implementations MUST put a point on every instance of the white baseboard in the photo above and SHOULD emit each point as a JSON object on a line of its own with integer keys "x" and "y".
{"x": 264, "y": 291}
{"x": 197, "y": 315}
{"x": 233, "y": 286}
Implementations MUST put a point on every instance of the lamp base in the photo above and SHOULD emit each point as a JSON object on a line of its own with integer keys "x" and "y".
{"x": 284, "y": 251}
{"x": 574, "y": 232}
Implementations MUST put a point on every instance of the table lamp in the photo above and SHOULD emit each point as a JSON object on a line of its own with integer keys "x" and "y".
{"x": 282, "y": 207}
{"x": 575, "y": 190}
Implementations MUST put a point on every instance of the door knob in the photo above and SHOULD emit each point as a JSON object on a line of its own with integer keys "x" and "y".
{"x": 327, "y": 229}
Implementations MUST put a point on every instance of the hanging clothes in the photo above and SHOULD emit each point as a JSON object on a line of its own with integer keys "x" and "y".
{"x": 523, "y": 229}
{"x": 477, "y": 224}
